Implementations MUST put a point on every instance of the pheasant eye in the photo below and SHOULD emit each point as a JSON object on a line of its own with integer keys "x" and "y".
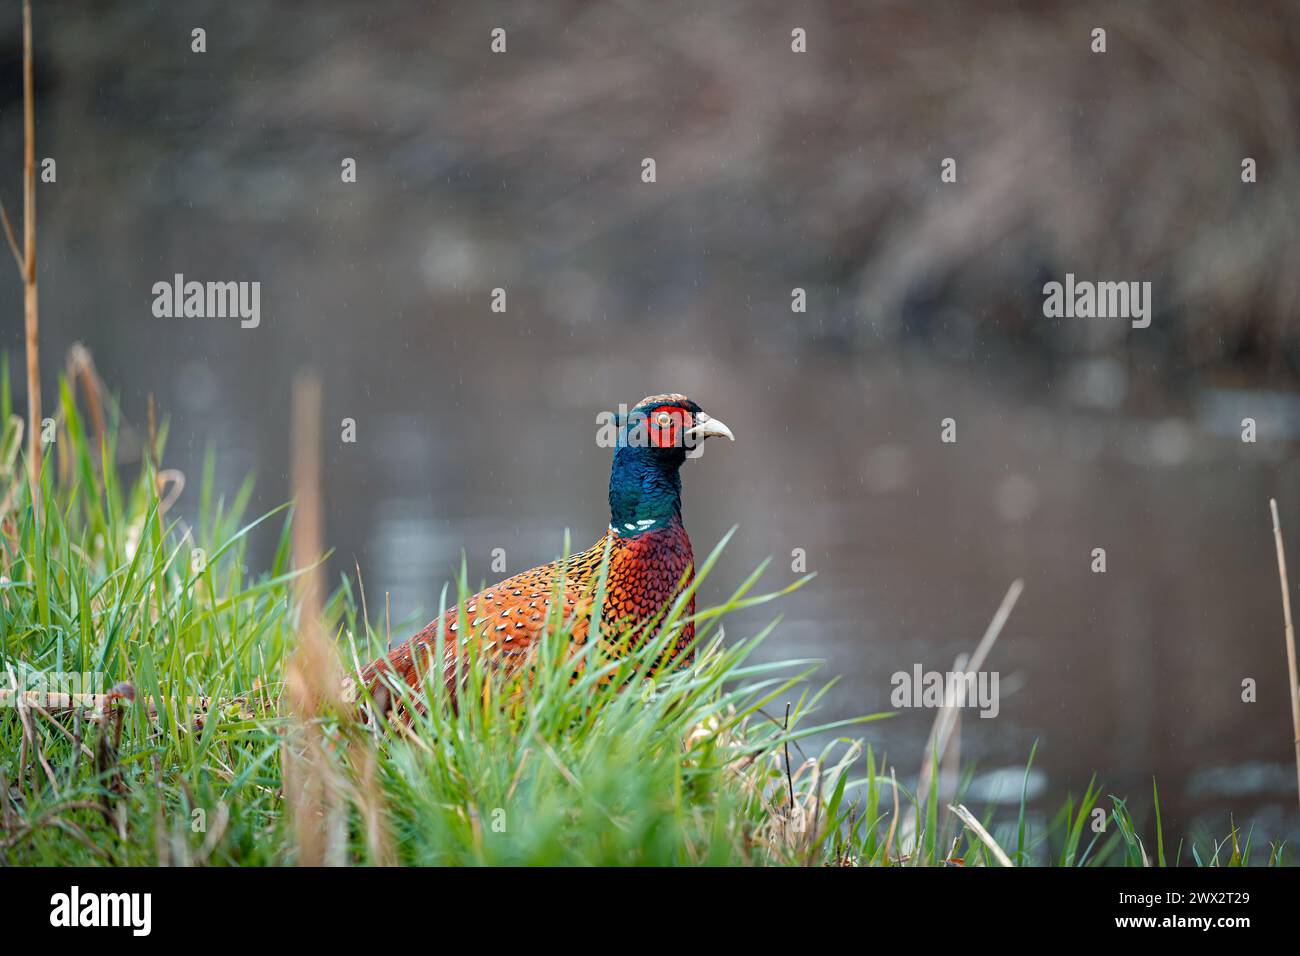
{"x": 664, "y": 419}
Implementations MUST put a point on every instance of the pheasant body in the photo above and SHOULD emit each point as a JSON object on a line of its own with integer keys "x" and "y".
{"x": 650, "y": 562}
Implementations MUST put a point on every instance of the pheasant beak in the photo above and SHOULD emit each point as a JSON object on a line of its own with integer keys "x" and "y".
{"x": 705, "y": 427}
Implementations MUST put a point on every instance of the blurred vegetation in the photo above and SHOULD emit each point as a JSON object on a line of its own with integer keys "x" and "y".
{"x": 818, "y": 170}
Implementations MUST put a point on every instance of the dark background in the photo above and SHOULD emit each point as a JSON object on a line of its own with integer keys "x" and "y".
{"x": 775, "y": 170}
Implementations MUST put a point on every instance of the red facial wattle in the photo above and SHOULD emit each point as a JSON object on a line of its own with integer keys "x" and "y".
{"x": 668, "y": 434}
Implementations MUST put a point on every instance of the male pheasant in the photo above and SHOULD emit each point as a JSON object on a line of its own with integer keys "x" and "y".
{"x": 650, "y": 561}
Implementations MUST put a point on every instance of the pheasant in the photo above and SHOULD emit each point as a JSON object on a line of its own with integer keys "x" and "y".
{"x": 650, "y": 561}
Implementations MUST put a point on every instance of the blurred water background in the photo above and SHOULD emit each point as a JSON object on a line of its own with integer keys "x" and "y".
{"x": 475, "y": 430}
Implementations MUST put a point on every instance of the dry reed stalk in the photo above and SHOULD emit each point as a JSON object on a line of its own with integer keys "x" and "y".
{"x": 370, "y": 803}
{"x": 26, "y": 259}
{"x": 942, "y": 729}
{"x": 1290, "y": 637}
{"x": 307, "y": 537}
{"x": 82, "y": 372}
{"x": 950, "y": 764}
{"x": 29, "y": 264}
{"x": 312, "y": 785}
{"x": 945, "y": 721}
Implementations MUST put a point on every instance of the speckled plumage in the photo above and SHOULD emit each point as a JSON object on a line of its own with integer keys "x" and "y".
{"x": 650, "y": 561}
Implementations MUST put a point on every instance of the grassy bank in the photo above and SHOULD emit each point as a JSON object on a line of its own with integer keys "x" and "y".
{"x": 240, "y": 744}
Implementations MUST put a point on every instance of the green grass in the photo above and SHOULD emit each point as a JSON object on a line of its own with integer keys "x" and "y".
{"x": 701, "y": 766}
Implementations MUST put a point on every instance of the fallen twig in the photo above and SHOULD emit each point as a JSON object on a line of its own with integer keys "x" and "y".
{"x": 1290, "y": 638}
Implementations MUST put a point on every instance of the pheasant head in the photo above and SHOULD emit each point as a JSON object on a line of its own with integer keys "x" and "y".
{"x": 654, "y": 439}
